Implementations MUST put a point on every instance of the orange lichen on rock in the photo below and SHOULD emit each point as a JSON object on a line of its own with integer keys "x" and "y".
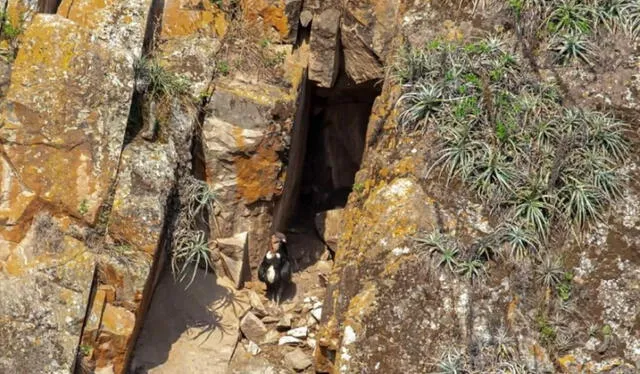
{"x": 258, "y": 174}
{"x": 271, "y": 13}
{"x": 62, "y": 136}
{"x": 188, "y": 17}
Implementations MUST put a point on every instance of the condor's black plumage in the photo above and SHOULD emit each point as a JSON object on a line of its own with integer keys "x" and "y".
{"x": 275, "y": 269}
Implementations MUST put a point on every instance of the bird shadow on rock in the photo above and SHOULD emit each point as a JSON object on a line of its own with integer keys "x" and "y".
{"x": 199, "y": 313}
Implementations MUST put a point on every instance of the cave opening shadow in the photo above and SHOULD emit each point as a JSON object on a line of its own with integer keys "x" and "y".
{"x": 202, "y": 315}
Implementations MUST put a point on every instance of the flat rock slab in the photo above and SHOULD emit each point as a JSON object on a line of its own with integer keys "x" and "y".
{"x": 252, "y": 327}
{"x": 297, "y": 360}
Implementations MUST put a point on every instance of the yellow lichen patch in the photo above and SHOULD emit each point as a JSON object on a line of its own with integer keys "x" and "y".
{"x": 406, "y": 166}
{"x": 257, "y": 175}
{"x": 185, "y": 18}
{"x": 87, "y": 13}
{"x": 20, "y": 10}
{"x": 259, "y": 93}
{"x": 393, "y": 265}
{"x": 23, "y": 258}
{"x": 361, "y": 304}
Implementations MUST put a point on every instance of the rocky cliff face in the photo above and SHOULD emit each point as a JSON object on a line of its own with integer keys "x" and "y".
{"x": 132, "y": 131}
{"x": 393, "y": 308}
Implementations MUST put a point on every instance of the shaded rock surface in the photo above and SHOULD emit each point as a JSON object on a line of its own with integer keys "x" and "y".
{"x": 297, "y": 360}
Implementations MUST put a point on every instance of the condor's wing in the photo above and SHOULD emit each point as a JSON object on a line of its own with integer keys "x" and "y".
{"x": 262, "y": 271}
{"x": 285, "y": 271}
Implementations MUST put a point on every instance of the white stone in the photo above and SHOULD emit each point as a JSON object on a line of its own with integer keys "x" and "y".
{"x": 317, "y": 313}
{"x": 400, "y": 251}
{"x": 289, "y": 340}
{"x": 311, "y": 343}
{"x": 253, "y": 348}
{"x": 300, "y": 332}
{"x": 349, "y": 336}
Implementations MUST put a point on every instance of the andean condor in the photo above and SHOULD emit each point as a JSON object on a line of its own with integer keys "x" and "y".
{"x": 275, "y": 269}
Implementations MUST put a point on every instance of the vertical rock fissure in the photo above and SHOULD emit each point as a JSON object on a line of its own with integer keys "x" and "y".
{"x": 133, "y": 124}
{"x": 77, "y": 363}
{"x": 187, "y": 169}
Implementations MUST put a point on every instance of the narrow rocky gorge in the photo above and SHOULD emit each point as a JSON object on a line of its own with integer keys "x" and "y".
{"x": 149, "y": 149}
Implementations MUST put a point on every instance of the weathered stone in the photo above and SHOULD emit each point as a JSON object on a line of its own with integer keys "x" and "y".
{"x": 44, "y": 292}
{"x": 289, "y": 340}
{"x": 257, "y": 307}
{"x": 239, "y": 136}
{"x": 190, "y": 36}
{"x": 297, "y": 360}
{"x": 305, "y": 18}
{"x": 325, "y": 54}
{"x": 279, "y": 15}
{"x": 255, "y": 365}
{"x": 329, "y": 225}
{"x": 368, "y": 28}
{"x": 253, "y": 348}
{"x": 285, "y": 322}
{"x": 252, "y": 327}
{"x": 111, "y": 321}
{"x": 5, "y": 75}
{"x": 317, "y": 313}
{"x": 113, "y": 337}
{"x": 65, "y": 156}
{"x": 234, "y": 259}
{"x": 119, "y": 24}
{"x": 271, "y": 337}
{"x": 270, "y": 319}
{"x": 242, "y": 157}
{"x": 300, "y": 332}
{"x": 144, "y": 184}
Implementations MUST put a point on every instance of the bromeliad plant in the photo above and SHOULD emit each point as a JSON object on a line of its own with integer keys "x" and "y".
{"x": 573, "y": 27}
{"x": 191, "y": 247}
{"x": 510, "y": 140}
{"x": 191, "y": 252}
{"x": 446, "y": 252}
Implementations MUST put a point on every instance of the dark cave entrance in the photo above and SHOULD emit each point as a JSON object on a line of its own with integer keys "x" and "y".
{"x": 327, "y": 145}
{"x": 338, "y": 122}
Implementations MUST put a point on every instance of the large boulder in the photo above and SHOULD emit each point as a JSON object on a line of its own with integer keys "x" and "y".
{"x": 64, "y": 118}
{"x": 242, "y": 142}
{"x": 45, "y": 281}
{"x": 145, "y": 181}
{"x": 324, "y": 61}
